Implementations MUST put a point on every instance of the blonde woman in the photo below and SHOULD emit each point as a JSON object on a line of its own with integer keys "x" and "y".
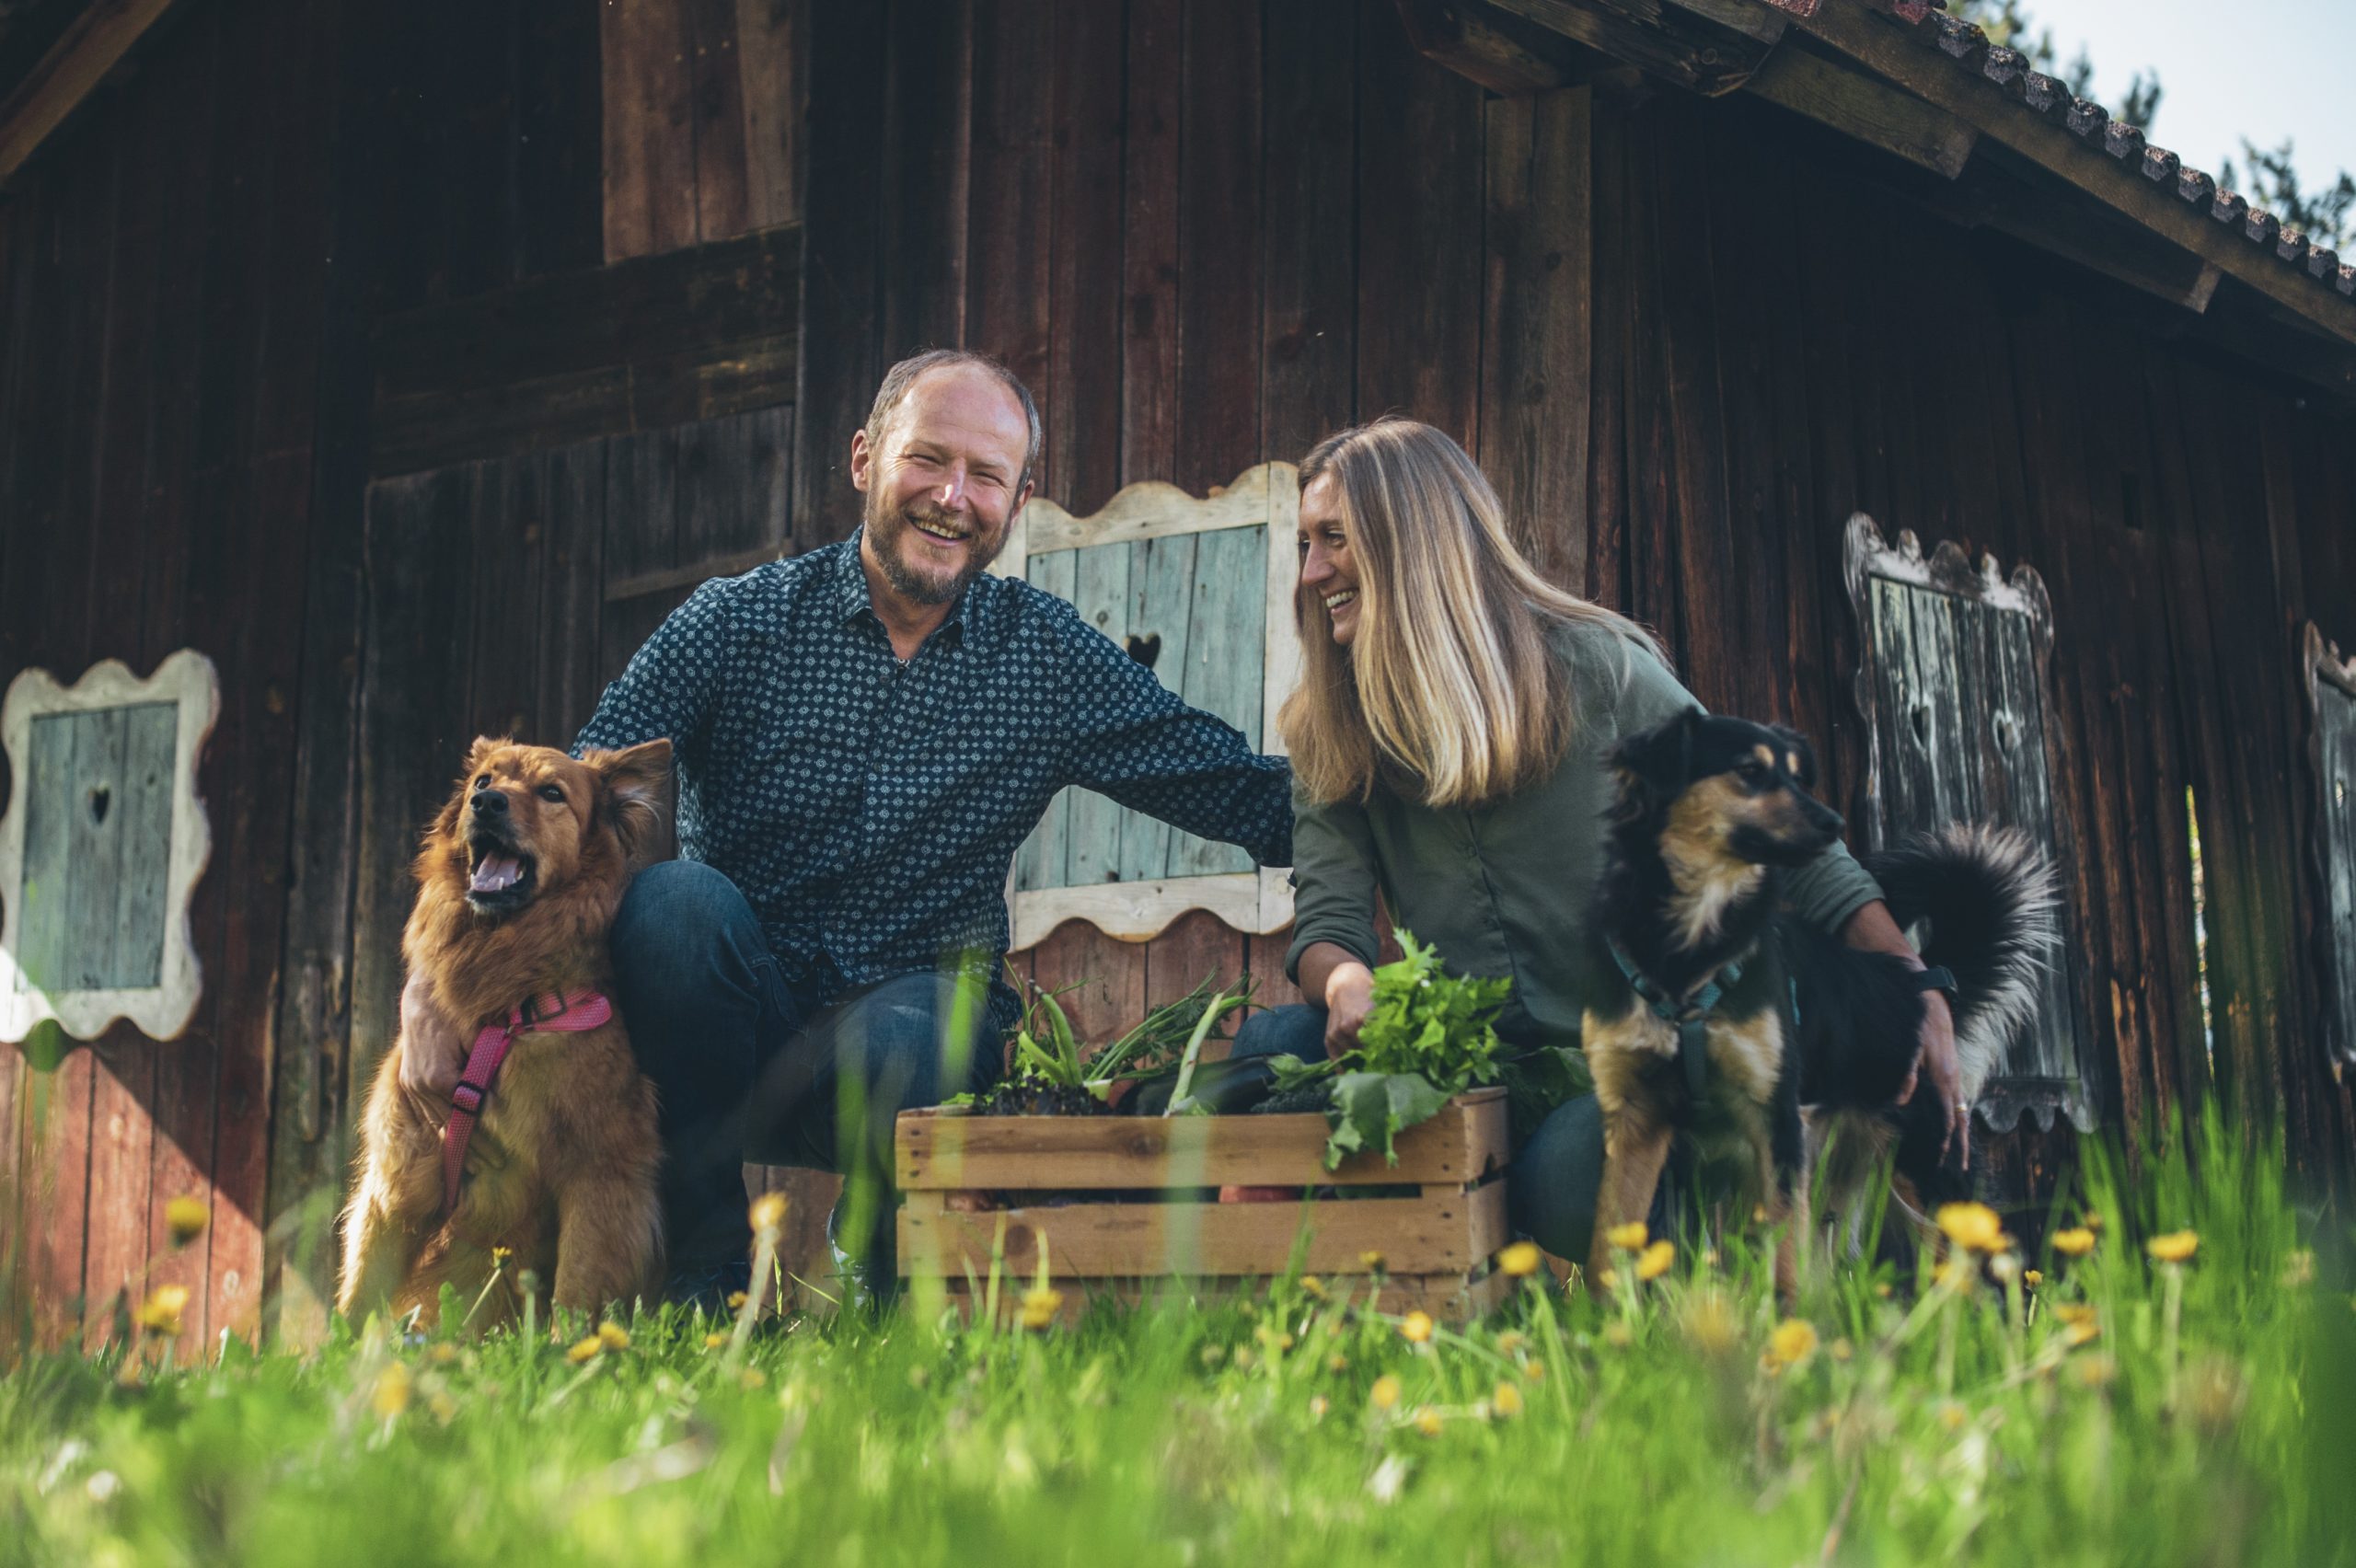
{"x": 1448, "y": 742}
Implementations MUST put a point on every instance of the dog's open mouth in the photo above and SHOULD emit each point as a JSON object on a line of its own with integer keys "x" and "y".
{"x": 499, "y": 875}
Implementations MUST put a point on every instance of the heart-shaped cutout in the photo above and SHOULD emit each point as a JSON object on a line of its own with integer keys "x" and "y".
{"x": 1145, "y": 650}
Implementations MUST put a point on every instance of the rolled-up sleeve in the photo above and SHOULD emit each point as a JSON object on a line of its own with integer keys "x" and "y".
{"x": 1829, "y": 890}
{"x": 1334, "y": 881}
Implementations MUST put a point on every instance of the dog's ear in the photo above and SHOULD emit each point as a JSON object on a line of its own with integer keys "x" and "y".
{"x": 1798, "y": 753}
{"x": 445, "y": 822}
{"x": 638, "y": 793}
{"x": 480, "y": 753}
{"x": 1656, "y": 764}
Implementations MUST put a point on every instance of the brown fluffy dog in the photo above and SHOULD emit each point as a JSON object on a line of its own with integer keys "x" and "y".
{"x": 517, "y": 886}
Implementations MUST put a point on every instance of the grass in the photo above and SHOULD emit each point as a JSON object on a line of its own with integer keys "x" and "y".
{"x": 1907, "y": 1422}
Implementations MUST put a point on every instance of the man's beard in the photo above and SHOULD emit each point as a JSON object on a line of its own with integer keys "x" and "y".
{"x": 886, "y": 530}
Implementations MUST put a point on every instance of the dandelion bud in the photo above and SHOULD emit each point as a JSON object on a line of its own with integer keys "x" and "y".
{"x": 613, "y": 1336}
{"x": 1655, "y": 1260}
{"x": 186, "y": 1218}
{"x": 2176, "y": 1246}
{"x": 160, "y": 1313}
{"x": 1427, "y": 1423}
{"x": 1384, "y": 1395}
{"x": 586, "y": 1350}
{"x": 392, "y": 1394}
{"x": 1628, "y": 1238}
{"x": 1505, "y": 1400}
{"x": 1520, "y": 1260}
{"x": 1418, "y": 1327}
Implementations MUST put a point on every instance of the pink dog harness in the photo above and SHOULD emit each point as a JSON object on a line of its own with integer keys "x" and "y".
{"x": 582, "y": 1010}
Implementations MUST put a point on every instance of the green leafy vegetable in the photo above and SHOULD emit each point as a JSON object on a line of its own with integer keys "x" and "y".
{"x": 1429, "y": 1036}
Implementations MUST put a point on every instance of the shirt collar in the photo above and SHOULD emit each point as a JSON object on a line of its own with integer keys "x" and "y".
{"x": 852, "y": 598}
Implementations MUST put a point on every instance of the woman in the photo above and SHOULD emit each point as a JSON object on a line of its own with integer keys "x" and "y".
{"x": 1448, "y": 742}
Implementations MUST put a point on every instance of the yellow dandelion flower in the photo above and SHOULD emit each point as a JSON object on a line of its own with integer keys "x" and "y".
{"x": 1244, "y": 1358}
{"x": 1842, "y": 1350}
{"x": 586, "y": 1350}
{"x": 390, "y": 1396}
{"x": 2094, "y": 1220}
{"x": 769, "y": 1211}
{"x": 1882, "y": 1288}
{"x": 736, "y": 1299}
{"x": 1385, "y": 1392}
{"x": 444, "y": 1408}
{"x": 1758, "y": 1213}
{"x": 1318, "y": 1407}
{"x": 1953, "y": 1416}
{"x": 1520, "y": 1260}
{"x": 2094, "y": 1371}
{"x": 1371, "y": 1260}
{"x": 1427, "y": 1421}
{"x": 443, "y": 1355}
{"x": 2074, "y": 1311}
{"x": 1609, "y": 1279}
{"x": 1972, "y": 1226}
{"x": 1618, "y": 1335}
{"x": 499, "y": 1256}
{"x": 1505, "y": 1400}
{"x": 1312, "y": 1285}
{"x": 751, "y": 1378}
{"x": 1418, "y": 1327}
{"x": 1513, "y": 1342}
{"x": 1710, "y": 1324}
{"x": 160, "y": 1313}
{"x": 2032, "y": 1279}
{"x": 2077, "y": 1334}
{"x": 1040, "y": 1306}
{"x": 1535, "y": 1371}
{"x": 1793, "y": 1340}
{"x": 1338, "y": 1362}
{"x": 714, "y": 1339}
{"x": 186, "y": 1218}
{"x": 1628, "y": 1238}
{"x": 1213, "y": 1354}
{"x": 2073, "y": 1243}
{"x": 613, "y": 1336}
{"x": 1653, "y": 1261}
{"x": 2176, "y": 1246}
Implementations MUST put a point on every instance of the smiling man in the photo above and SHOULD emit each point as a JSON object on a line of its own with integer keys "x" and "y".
{"x": 864, "y": 735}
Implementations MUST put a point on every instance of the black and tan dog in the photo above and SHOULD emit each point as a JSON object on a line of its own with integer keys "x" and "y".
{"x": 1709, "y": 1008}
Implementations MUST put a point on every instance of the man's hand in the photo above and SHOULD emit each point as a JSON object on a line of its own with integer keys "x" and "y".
{"x": 432, "y": 1052}
{"x": 1936, "y": 1050}
{"x": 1350, "y": 996}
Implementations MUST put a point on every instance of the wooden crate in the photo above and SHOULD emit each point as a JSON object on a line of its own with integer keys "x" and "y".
{"x": 1132, "y": 1215}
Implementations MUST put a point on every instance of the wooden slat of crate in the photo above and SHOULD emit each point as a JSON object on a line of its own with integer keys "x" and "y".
{"x": 1458, "y": 1147}
{"x": 1448, "y": 1230}
{"x": 1452, "y": 1298}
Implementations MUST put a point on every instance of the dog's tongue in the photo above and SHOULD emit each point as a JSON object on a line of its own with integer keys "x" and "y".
{"x": 497, "y": 873}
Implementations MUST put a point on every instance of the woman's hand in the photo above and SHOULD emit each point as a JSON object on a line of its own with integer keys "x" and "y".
{"x": 433, "y": 1053}
{"x": 1350, "y": 996}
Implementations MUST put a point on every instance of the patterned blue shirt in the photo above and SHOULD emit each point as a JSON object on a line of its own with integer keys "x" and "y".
{"x": 868, "y": 809}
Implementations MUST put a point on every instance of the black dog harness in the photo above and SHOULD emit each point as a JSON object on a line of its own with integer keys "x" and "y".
{"x": 1690, "y": 1018}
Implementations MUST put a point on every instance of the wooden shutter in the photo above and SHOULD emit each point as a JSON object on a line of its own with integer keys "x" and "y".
{"x": 2331, "y": 697}
{"x": 1951, "y": 683}
{"x": 1201, "y": 590}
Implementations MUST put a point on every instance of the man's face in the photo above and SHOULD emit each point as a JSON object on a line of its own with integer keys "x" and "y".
{"x": 942, "y": 486}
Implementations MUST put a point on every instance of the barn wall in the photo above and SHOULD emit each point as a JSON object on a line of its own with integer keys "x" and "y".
{"x": 1689, "y": 338}
{"x": 160, "y": 329}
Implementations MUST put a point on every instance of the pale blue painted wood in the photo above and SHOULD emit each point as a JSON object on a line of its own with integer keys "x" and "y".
{"x": 1226, "y": 650}
{"x": 1040, "y": 863}
{"x": 1162, "y": 572}
{"x": 1093, "y": 835}
{"x": 98, "y": 830}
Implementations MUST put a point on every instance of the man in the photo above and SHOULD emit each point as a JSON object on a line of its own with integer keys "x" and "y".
{"x": 866, "y": 734}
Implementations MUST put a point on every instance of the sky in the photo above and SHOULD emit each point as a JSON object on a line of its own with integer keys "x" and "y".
{"x": 2266, "y": 69}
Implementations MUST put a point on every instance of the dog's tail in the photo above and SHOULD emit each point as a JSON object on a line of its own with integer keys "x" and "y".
{"x": 1987, "y": 895}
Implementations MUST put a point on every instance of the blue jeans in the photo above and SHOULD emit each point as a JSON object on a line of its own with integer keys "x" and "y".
{"x": 1550, "y": 1186}
{"x": 754, "y": 1058}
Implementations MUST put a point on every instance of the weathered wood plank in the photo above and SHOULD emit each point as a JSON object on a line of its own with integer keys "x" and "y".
{"x": 1044, "y": 860}
{"x": 1448, "y": 1228}
{"x": 1101, "y": 592}
{"x": 1451, "y": 1298}
{"x": 1226, "y": 646}
{"x": 769, "y": 64}
{"x": 1080, "y": 396}
{"x": 1221, "y": 204}
{"x": 649, "y": 164}
{"x": 1009, "y": 306}
{"x": 1164, "y": 576}
{"x": 1460, "y": 1146}
{"x": 716, "y": 119}
{"x": 1149, "y": 246}
{"x": 1309, "y": 332}
{"x": 1101, "y": 980}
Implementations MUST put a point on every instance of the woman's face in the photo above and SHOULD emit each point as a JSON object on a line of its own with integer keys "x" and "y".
{"x": 1328, "y": 573}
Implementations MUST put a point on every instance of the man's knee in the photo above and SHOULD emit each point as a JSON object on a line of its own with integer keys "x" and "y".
{"x": 1293, "y": 1030}
{"x": 904, "y": 1040}
{"x": 680, "y": 924}
{"x": 1550, "y": 1186}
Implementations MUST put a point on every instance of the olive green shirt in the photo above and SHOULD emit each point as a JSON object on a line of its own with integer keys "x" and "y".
{"x": 1505, "y": 888}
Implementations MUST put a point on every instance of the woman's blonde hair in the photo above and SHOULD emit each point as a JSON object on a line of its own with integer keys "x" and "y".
{"x": 1461, "y": 700}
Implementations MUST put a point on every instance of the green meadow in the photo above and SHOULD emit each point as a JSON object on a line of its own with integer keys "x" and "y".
{"x": 2108, "y": 1407}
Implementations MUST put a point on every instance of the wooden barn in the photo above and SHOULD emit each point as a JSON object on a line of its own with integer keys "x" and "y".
{"x": 408, "y": 363}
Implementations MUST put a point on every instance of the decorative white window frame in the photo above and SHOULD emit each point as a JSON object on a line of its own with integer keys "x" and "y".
{"x": 2322, "y": 668}
{"x": 1254, "y": 902}
{"x": 188, "y": 680}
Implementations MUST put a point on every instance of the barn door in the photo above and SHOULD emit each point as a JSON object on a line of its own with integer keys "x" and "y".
{"x": 1200, "y": 591}
{"x": 1951, "y": 683}
{"x": 2331, "y": 697}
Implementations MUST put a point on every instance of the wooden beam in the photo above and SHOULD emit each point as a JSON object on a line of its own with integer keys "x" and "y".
{"x": 1711, "y": 46}
{"x": 1864, "y": 107}
{"x": 93, "y": 45}
{"x": 1464, "y": 35}
{"x": 1882, "y": 45}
